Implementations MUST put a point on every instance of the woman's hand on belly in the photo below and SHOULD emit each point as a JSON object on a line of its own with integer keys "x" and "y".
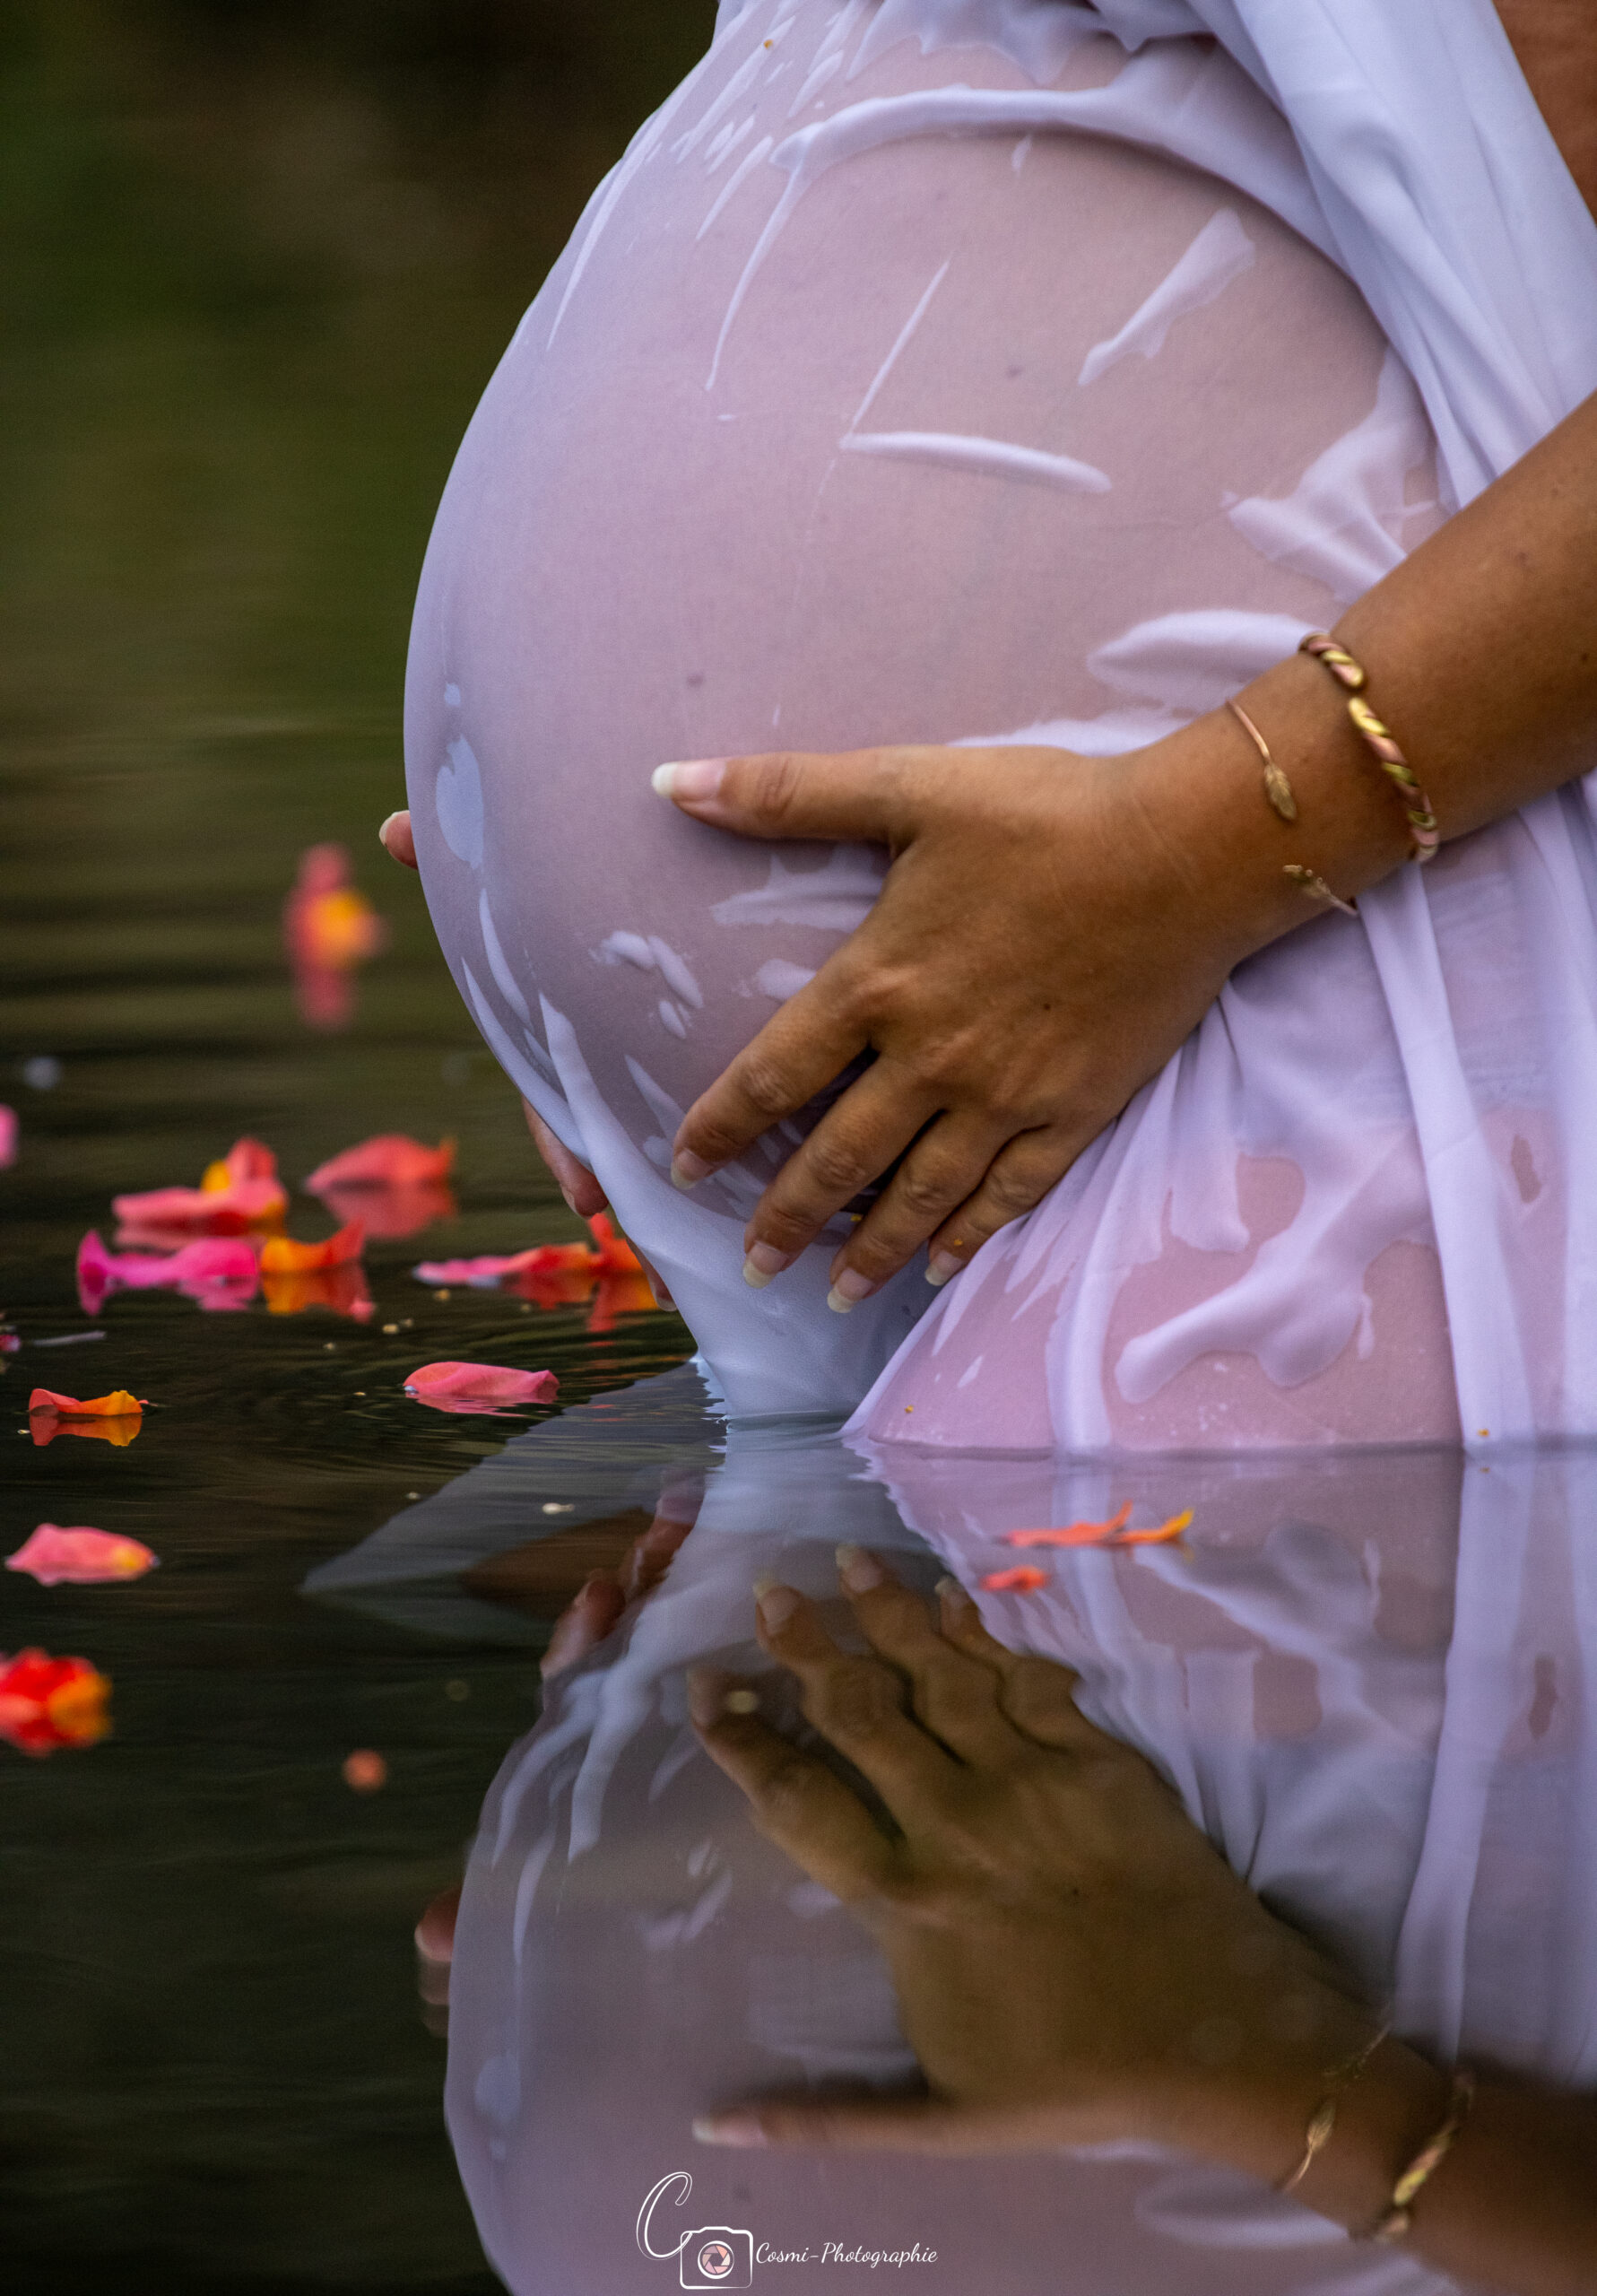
{"x": 1050, "y": 930}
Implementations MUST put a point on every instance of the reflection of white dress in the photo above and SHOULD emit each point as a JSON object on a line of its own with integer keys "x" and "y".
{"x": 972, "y": 368}
{"x": 1367, "y": 1677}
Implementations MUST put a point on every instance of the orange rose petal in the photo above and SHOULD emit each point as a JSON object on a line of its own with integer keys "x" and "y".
{"x": 1023, "y": 1578}
{"x": 282, "y": 1255}
{"x": 117, "y": 1404}
{"x": 1161, "y": 1531}
{"x": 48, "y": 1702}
{"x": 1110, "y": 1534}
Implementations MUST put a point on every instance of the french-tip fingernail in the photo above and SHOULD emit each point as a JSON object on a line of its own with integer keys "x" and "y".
{"x": 386, "y": 826}
{"x": 777, "y": 1602}
{"x": 688, "y": 1170}
{"x": 940, "y": 1265}
{"x": 704, "y": 1695}
{"x": 741, "y": 2129}
{"x": 950, "y": 1593}
{"x": 849, "y": 1289}
{"x": 858, "y": 1571}
{"x": 764, "y": 1261}
{"x": 688, "y": 778}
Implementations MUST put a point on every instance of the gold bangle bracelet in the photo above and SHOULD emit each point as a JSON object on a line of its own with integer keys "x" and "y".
{"x": 1378, "y": 739}
{"x": 1277, "y": 788}
{"x": 1321, "y": 2121}
{"x": 1400, "y": 2213}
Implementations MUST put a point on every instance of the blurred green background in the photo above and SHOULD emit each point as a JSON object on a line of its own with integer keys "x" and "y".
{"x": 259, "y": 258}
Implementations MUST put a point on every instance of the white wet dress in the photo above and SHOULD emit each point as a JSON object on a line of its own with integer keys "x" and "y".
{"x": 982, "y": 370}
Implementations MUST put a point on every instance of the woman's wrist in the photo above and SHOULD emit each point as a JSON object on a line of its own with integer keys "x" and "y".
{"x": 1256, "y": 2114}
{"x": 1249, "y": 872}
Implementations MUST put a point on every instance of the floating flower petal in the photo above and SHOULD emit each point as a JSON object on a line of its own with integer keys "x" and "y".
{"x": 609, "y": 1255}
{"x": 1024, "y": 1579}
{"x": 403, "y": 1209}
{"x": 340, "y": 1288}
{"x": 48, "y": 1702}
{"x": 8, "y": 1136}
{"x": 117, "y": 1404}
{"x": 74, "y": 1555}
{"x": 365, "y": 1771}
{"x": 478, "y": 1386}
{"x": 218, "y": 1271}
{"x": 282, "y": 1255}
{"x": 1110, "y": 1534}
{"x": 387, "y": 1159}
{"x": 239, "y": 1192}
{"x": 246, "y": 1160}
{"x": 328, "y": 928}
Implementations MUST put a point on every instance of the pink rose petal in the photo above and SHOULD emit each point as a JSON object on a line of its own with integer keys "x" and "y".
{"x": 478, "y": 1386}
{"x": 218, "y": 1271}
{"x": 387, "y": 1159}
{"x": 8, "y": 1138}
{"x": 77, "y": 1556}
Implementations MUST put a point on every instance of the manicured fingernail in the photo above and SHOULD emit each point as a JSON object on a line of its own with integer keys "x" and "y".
{"x": 777, "y": 1602}
{"x": 570, "y": 1639}
{"x": 764, "y": 1261}
{"x": 741, "y": 2129}
{"x": 741, "y": 1701}
{"x": 570, "y": 1200}
{"x": 689, "y": 780}
{"x": 705, "y": 1693}
{"x": 858, "y": 1571}
{"x": 383, "y": 832}
{"x": 687, "y": 1170}
{"x": 952, "y": 1595}
{"x": 849, "y": 1288}
{"x": 942, "y": 1265}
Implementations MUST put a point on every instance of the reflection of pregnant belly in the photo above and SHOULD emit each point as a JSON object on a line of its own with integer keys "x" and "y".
{"x": 924, "y": 461}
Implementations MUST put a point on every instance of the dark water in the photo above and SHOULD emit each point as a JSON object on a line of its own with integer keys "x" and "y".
{"x": 257, "y": 262}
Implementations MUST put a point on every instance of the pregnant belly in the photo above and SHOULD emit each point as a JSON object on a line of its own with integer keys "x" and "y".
{"x": 929, "y": 436}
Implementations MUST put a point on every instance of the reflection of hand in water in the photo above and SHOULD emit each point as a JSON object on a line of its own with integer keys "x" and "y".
{"x": 1075, "y": 1963}
{"x": 602, "y": 1599}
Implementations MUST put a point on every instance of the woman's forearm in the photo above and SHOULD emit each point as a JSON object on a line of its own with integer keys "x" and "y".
{"x": 1481, "y": 651}
{"x": 1513, "y": 2201}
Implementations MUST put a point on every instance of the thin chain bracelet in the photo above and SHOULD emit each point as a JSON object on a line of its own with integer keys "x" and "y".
{"x": 1277, "y": 789}
{"x": 1418, "y": 810}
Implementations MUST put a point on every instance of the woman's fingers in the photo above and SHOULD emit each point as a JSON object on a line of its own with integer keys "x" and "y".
{"x": 796, "y": 1801}
{"x": 945, "y": 1165}
{"x": 857, "y": 1705}
{"x": 867, "y": 797}
{"x": 1036, "y": 1694}
{"x": 1016, "y": 1181}
{"x": 395, "y": 839}
{"x": 587, "y": 1618}
{"x": 856, "y": 1139}
{"x": 955, "y": 1694}
{"x": 877, "y": 2124}
{"x": 798, "y": 1053}
{"x": 576, "y": 1183}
